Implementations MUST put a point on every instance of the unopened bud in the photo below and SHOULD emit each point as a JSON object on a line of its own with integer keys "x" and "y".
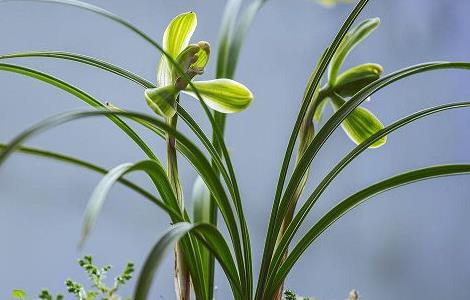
{"x": 354, "y": 79}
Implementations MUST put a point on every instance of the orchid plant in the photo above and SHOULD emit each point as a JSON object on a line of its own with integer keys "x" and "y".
{"x": 196, "y": 239}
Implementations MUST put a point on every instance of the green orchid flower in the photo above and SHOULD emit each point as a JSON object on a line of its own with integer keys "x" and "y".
{"x": 223, "y": 95}
{"x": 361, "y": 123}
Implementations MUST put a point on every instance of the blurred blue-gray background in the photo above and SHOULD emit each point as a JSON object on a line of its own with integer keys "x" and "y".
{"x": 409, "y": 243}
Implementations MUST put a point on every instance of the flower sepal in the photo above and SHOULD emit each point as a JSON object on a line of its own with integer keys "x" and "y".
{"x": 162, "y": 100}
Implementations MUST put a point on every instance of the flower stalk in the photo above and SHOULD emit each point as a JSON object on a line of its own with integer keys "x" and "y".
{"x": 306, "y": 134}
{"x": 182, "y": 276}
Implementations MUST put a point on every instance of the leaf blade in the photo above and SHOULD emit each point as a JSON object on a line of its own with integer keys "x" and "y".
{"x": 351, "y": 40}
{"x": 152, "y": 168}
{"x": 393, "y": 182}
{"x": 314, "y": 196}
{"x": 92, "y": 167}
{"x": 209, "y": 235}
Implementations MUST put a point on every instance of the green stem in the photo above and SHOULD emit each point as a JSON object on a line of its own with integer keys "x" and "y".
{"x": 306, "y": 134}
{"x": 219, "y": 119}
{"x": 182, "y": 277}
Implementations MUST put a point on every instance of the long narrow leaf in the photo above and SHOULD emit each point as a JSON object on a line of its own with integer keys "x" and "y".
{"x": 90, "y": 166}
{"x": 311, "y": 200}
{"x": 322, "y": 67}
{"x": 154, "y": 170}
{"x": 84, "y": 59}
{"x": 195, "y": 156}
{"x": 217, "y": 134}
{"x": 225, "y": 38}
{"x": 131, "y": 76}
{"x": 211, "y": 238}
{"x": 85, "y": 97}
{"x": 345, "y": 110}
{"x": 342, "y": 113}
{"x": 357, "y": 199}
{"x": 239, "y": 36}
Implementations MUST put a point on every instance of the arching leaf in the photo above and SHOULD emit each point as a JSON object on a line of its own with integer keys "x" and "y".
{"x": 353, "y": 201}
{"x": 314, "y": 196}
{"x": 152, "y": 168}
{"x": 351, "y": 40}
{"x": 209, "y": 235}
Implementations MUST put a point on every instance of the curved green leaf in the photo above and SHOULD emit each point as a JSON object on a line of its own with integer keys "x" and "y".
{"x": 152, "y": 168}
{"x": 201, "y": 199}
{"x": 357, "y": 199}
{"x": 82, "y": 96}
{"x": 217, "y": 134}
{"x": 312, "y": 86}
{"x": 227, "y": 26}
{"x": 84, "y": 59}
{"x": 144, "y": 83}
{"x": 342, "y": 113}
{"x": 194, "y": 155}
{"x": 231, "y": 39}
{"x": 223, "y": 95}
{"x": 360, "y": 124}
{"x": 351, "y": 40}
{"x": 90, "y": 166}
{"x": 311, "y": 200}
{"x": 239, "y": 34}
{"x": 208, "y": 234}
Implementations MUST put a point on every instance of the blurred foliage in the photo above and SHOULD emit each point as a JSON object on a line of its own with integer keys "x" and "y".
{"x": 98, "y": 288}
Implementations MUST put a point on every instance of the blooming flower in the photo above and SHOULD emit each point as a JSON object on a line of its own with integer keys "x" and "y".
{"x": 223, "y": 95}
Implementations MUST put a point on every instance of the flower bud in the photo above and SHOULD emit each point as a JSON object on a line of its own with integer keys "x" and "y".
{"x": 354, "y": 79}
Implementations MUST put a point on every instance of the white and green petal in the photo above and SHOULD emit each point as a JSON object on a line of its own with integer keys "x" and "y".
{"x": 360, "y": 124}
{"x": 223, "y": 95}
{"x": 175, "y": 39}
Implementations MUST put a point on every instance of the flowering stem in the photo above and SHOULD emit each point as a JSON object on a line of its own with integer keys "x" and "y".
{"x": 220, "y": 123}
{"x": 182, "y": 278}
{"x": 306, "y": 134}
